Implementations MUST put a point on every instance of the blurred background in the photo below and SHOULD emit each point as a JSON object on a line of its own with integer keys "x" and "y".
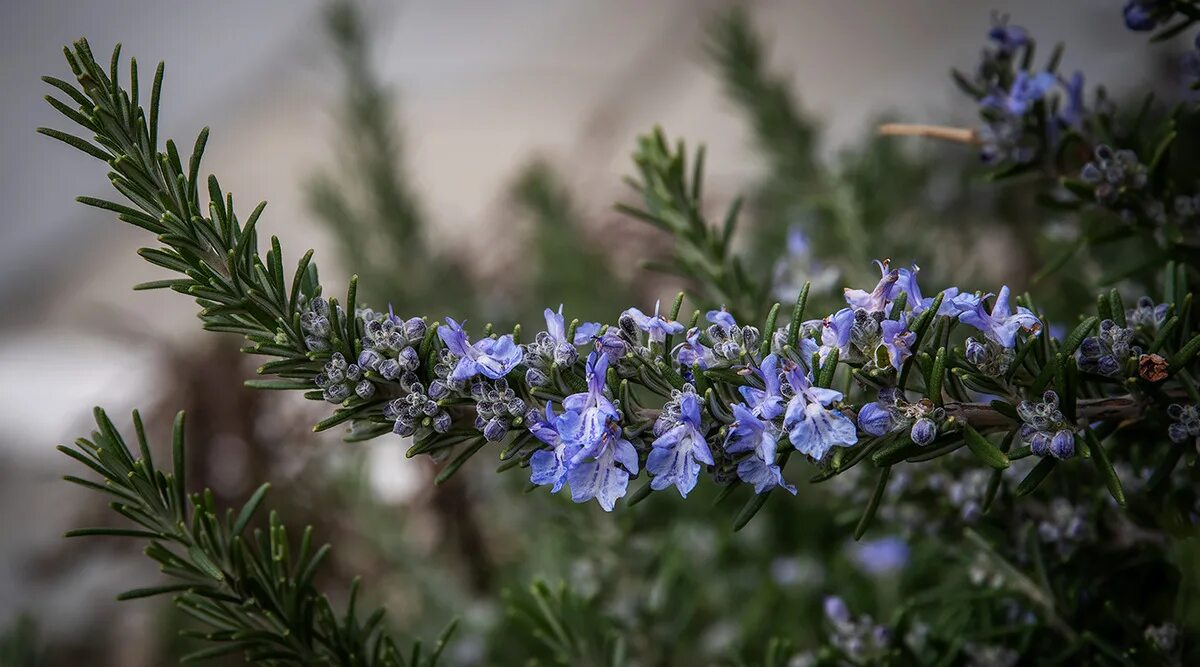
{"x": 463, "y": 159}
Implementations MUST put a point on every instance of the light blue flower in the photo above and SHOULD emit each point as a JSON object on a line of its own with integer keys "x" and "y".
{"x": 748, "y": 433}
{"x": 548, "y": 466}
{"x": 584, "y": 421}
{"x": 812, "y": 427}
{"x": 877, "y": 299}
{"x": 493, "y": 357}
{"x": 835, "y": 332}
{"x": 898, "y": 340}
{"x": 606, "y": 476}
{"x": 556, "y": 327}
{"x": 768, "y": 402}
{"x": 721, "y": 318}
{"x": 677, "y": 453}
{"x": 1001, "y": 325}
{"x": 691, "y": 352}
{"x": 882, "y": 556}
{"x": 658, "y": 327}
{"x": 953, "y": 303}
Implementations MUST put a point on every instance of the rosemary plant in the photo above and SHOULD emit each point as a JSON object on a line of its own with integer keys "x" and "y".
{"x": 897, "y": 380}
{"x": 253, "y": 591}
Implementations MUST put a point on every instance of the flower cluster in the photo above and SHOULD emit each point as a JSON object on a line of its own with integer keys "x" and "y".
{"x": 861, "y": 639}
{"x": 1185, "y": 423}
{"x": 585, "y": 438}
{"x": 1045, "y": 428}
{"x": 1106, "y": 352}
{"x": 314, "y": 322}
{"x": 892, "y": 412}
{"x": 573, "y": 431}
{"x": 1010, "y": 98}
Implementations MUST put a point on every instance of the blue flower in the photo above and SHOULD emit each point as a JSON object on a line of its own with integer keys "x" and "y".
{"x": 836, "y": 330}
{"x": 767, "y": 402}
{"x": 1143, "y": 15}
{"x": 493, "y": 357}
{"x": 548, "y": 466}
{"x": 585, "y": 420}
{"x": 953, "y": 303}
{"x": 1001, "y": 325}
{"x": 677, "y": 453}
{"x": 691, "y": 352}
{"x": 898, "y": 340}
{"x": 814, "y": 429}
{"x": 558, "y": 331}
{"x": 1024, "y": 92}
{"x": 751, "y": 434}
{"x": 721, "y": 318}
{"x": 881, "y": 556}
{"x": 1072, "y": 114}
{"x": 658, "y": 327}
{"x": 612, "y": 345}
{"x": 1008, "y": 38}
{"x": 605, "y": 477}
{"x": 877, "y": 299}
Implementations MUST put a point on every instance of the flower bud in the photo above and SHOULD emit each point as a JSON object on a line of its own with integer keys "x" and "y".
{"x": 404, "y": 428}
{"x": 389, "y": 368}
{"x": 409, "y": 359}
{"x": 924, "y": 431}
{"x": 370, "y": 359}
{"x": 414, "y": 329}
{"x": 438, "y": 390}
{"x": 365, "y": 389}
{"x": 441, "y": 422}
{"x": 1062, "y": 446}
{"x": 875, "y": 420}
{"x": 495, "y": 430}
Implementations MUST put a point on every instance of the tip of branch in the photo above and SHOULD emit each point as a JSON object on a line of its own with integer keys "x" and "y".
{"x": 960, "y": 135}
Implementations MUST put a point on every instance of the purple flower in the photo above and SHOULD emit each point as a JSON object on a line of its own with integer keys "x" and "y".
{"x": 677, "y": 453}
{"x": 605, "y": 477}
{"x": 877, "y": 299}
{"x": 751, "y": 434}
{"x": 1001, "y": 325}
{"x": 493, "y": 357}
{"x": 548, "y": 466}
{"x": 658, "y": 327}
{"x": 812, "y": 428}
{"x": 586, "y": 416}
{"x": 1024, "y": 92}
{"x": 898, "y": 340}
{"x": 768, "y": 402}
{"x": 882, "y": 556}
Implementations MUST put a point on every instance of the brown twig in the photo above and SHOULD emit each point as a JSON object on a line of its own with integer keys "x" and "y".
{"x": 961, "y": 135}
